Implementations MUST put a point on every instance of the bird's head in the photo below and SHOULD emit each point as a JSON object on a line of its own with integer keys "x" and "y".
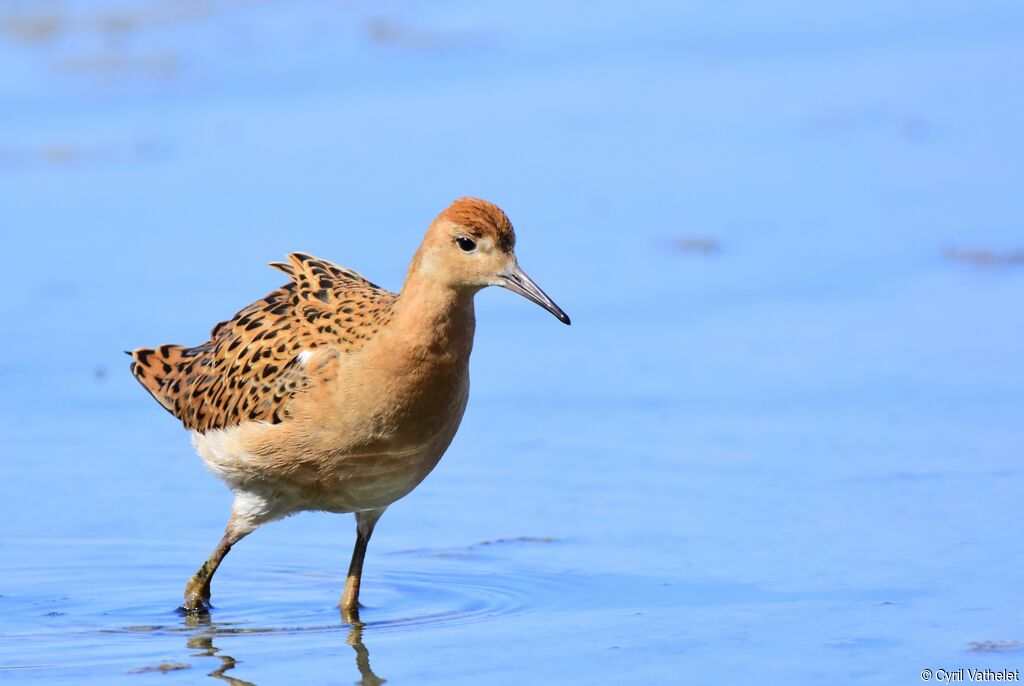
{"x": 471, "y": 244}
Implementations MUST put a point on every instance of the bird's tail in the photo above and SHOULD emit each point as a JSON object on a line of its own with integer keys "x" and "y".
{"x": 160, "y": 371}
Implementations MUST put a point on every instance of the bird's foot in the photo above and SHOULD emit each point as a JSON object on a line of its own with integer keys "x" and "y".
{"x": 197, "y": 598}
{"x": 194, "y": 605}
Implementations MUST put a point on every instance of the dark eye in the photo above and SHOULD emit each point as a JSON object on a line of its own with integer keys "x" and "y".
{"x": 467, "y": 244}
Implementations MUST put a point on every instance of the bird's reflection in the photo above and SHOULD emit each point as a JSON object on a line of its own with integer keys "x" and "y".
{"x": 355, "y": 639}
{"x": 208, "y": 630}
{"x": 204, "y": 644}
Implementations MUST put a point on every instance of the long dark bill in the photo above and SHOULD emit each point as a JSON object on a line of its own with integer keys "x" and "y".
{"x": 516, "y": 280}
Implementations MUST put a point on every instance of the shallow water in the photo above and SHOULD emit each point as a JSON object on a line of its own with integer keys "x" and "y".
{"x": 781, "y": 442}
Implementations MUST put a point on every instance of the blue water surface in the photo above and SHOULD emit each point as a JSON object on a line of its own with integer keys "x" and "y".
{"x": 780, "y": 444}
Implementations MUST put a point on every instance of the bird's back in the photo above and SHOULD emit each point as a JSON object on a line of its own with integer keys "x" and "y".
{"x": 252, "y": 366}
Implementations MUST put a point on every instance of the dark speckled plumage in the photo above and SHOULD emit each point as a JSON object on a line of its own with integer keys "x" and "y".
{"x": 249, "y": 369}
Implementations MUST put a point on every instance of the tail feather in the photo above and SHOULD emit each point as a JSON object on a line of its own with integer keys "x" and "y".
{"x": 160, "y": 370}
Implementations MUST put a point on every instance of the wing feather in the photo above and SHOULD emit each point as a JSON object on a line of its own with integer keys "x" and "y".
{"x": 250, "y": 368}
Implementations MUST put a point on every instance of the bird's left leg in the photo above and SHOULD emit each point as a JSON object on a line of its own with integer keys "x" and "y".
{"x": 365, "y": 521}
{"x": 197, "y": 590}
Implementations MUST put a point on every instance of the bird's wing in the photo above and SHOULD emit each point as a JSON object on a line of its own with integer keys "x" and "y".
{"x": 253, "y": 364}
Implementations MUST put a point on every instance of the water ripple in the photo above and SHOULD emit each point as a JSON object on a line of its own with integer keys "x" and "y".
{"x": 397, "y": 600}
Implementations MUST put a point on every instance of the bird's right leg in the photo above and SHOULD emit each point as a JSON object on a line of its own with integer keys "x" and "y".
{"x": 197, "y": 590}
{"x": 365, "y": 521}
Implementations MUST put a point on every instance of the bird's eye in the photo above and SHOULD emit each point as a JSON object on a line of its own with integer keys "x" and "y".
{"x": 467, "y": 244}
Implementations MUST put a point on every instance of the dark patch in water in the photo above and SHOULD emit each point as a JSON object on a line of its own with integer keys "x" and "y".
{"x": 162, "y": 667}
{"x": 994, "y": 646}
{"x": 435, "y": 552}
{"x": 519, "y": 539}
{"x": 33, "y": 28}
{"x": 981, "y": 257}
{"x": 388, "y": 32}
{"x": 697, "y": 245}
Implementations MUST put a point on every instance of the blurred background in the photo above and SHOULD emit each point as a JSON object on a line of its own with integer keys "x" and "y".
{"x": 781, "y": 442}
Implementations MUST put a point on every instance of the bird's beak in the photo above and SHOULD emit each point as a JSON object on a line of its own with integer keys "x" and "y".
{"x": 516, "y": 280}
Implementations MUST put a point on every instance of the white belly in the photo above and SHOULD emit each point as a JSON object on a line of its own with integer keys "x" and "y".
{"x": 269, "y": 488}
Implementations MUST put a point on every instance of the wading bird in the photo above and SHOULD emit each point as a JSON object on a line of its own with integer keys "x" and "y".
{"x": 332, "y": 393}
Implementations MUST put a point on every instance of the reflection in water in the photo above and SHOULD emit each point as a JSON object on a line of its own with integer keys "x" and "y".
{"x": 204, "y": 643}
{"x": 355, "y": 639}
{"x": 208, "y": 631}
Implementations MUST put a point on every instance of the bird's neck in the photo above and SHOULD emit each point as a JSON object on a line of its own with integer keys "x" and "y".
{"x": 434, "y": 320}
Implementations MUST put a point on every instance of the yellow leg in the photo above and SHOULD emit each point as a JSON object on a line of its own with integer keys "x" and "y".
{"x": 365, "y": 522}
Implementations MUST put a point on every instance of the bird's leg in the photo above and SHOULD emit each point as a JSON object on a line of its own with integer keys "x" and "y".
{"x": 365, "y": 521}
{"x": 197, "y": 590}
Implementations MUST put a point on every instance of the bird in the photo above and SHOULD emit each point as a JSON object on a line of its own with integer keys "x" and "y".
{"x": 333, "y": 394}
